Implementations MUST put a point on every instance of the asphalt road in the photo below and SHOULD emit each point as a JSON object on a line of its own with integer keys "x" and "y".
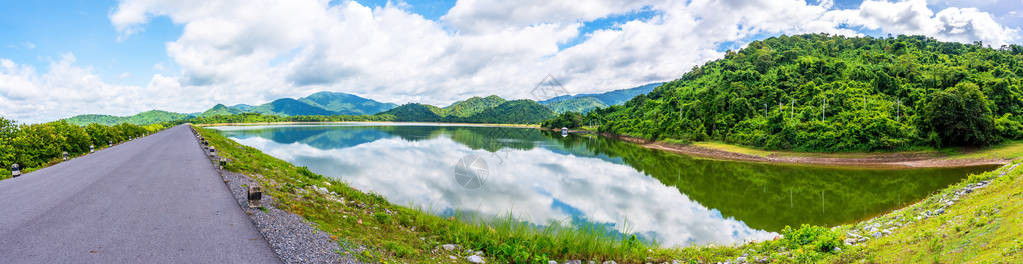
{"x": 156, "y": 199}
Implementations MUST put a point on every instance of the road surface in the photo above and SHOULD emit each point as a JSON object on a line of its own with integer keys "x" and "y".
{"x": 156, "y": 199}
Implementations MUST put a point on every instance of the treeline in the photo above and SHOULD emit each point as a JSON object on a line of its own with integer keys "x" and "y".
{"x": 261, "y": 118}
{"x": 831, "y": 93}
{"x": 569, "y": 120}
{"x": 33, "y": 146}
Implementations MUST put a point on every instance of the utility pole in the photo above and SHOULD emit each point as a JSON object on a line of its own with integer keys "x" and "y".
{"x": 824, "y": 107}
{"x": 792, "y": 105}
{"x": 680, "y": 111}
{"x": 898, "y": 111}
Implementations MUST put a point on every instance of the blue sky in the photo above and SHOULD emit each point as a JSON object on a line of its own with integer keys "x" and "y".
{"x": 37, "y": 32}
{"x": 187, "y": 55}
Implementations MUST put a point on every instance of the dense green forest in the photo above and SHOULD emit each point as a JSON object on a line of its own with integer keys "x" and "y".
{"x": 491, "y": 109}
{"x": 144, "y": 118}
{"x": 818, "y": 92}
{"x": 33, "y": 146}
{"x": 569, "y": 120}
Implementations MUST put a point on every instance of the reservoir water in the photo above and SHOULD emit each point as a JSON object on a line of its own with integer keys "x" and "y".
{"x": 541, "y": 177}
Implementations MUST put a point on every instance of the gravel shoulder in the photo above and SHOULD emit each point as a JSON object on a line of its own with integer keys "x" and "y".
{"x": 294, "y": 239}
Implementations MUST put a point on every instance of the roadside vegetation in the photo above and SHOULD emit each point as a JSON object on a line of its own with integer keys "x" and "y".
{"x": 822, "y": 93}
{"x": 39, "y": 145}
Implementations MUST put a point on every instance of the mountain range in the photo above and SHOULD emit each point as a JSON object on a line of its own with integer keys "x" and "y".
{"x": 490, "y": 109}
{"x": 583, "y": 103}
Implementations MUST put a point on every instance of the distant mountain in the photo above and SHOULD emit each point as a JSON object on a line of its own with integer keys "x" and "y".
{"x": 346, "y": 104}
{"x": 243, "y": 107}
{"x": 290, "y": 107}
{"x": 585, "y": 102}
{"x": 221, "y": 109}
{"x": 511, "y": 112}
{"x": 144, "y": 118}
{"x": 321, "y": 103}
{"x": 415, "y": 112}
{"x": 472, "y": 106}
{"x": 490, "y": 109}
{"x": 579, "y": 104}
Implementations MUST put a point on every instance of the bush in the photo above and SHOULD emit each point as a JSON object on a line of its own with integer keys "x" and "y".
{"x": 33, "y": 146}
{"x": 812, "y": 238}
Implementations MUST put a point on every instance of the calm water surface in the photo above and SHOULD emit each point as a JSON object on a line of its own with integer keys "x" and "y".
{"x": 543, "y": 177}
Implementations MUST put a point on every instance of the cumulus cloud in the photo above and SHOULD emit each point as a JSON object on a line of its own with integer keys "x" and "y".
{"x": 66, "y": 89}
{"x": 28, "y": 95}
{"x": 916, "y": 18}
{"x": 236, "y": 51}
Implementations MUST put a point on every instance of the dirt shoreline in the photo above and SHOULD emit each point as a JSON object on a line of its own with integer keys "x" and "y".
{"x": 879, "y": 160}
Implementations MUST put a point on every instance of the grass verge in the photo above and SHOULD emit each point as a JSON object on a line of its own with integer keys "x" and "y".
{"x": 982, "y": 225}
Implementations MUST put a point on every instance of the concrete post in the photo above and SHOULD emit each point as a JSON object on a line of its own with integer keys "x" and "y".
{"x": 15, "y": 170}
{"x": 255, "y": 197}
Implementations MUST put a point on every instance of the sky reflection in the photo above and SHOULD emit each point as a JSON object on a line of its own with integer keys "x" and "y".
{"x": 539, "y": 185}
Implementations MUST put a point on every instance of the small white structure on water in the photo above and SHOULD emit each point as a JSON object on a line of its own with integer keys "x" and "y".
{"x": 564, "y": 131}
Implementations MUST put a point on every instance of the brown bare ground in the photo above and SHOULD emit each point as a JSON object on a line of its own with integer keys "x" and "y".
{"x": 878, "y": 160}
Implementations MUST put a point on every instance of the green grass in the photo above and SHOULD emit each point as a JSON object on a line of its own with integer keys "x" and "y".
{"x": 1007, "y": 150}
{"x": 984, "y": 225}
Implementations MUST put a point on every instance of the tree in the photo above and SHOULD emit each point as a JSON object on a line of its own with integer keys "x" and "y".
{"x": 567, "y": 120}
{"x": 960, "y": 116}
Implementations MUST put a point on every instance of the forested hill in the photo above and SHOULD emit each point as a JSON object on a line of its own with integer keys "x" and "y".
{"x": 830, "y": 93}
{"x": 144, "y": 118}
{"x": 490, "y": 109}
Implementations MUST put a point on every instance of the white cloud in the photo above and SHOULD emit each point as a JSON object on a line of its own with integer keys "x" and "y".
{"x": 30, "y": 96}
{"x": 916, "y": 18}
{"x": 66, "y": 89}
{"x": 487, "y": 16}
{"x": 251, "y": 52}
